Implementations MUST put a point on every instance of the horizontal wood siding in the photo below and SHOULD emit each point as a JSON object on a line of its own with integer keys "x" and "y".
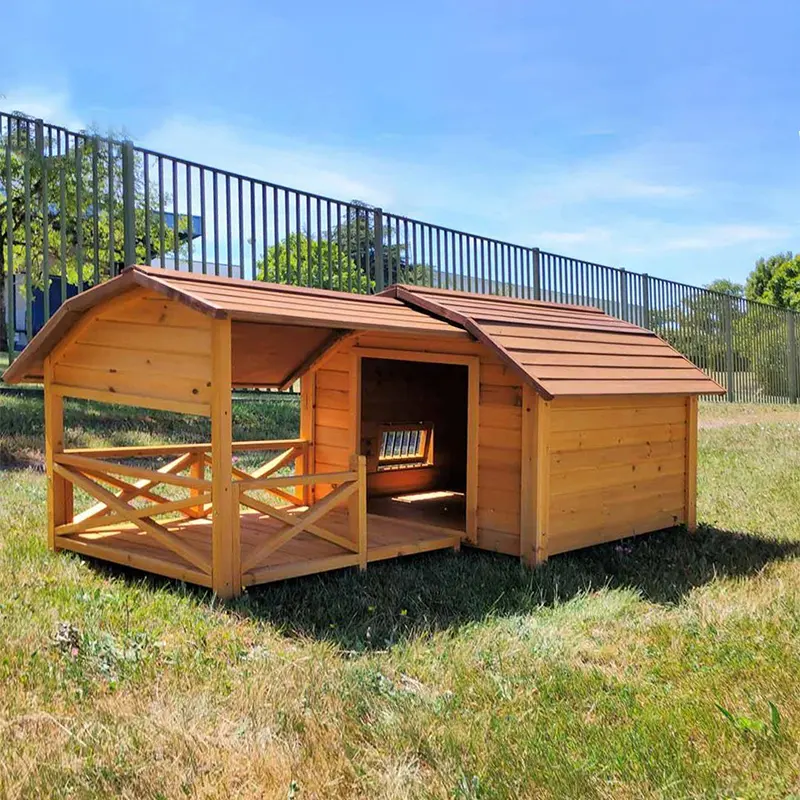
{"x": 140, "y": 349}
{"x": 334, "y": 416}
{"x": 617, "y": 468}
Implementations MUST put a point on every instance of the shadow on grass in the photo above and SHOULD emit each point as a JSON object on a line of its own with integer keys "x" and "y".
{"x": 422, "y": 594}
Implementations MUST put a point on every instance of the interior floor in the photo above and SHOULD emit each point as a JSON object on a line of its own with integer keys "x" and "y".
{"x": 444, "y": 509}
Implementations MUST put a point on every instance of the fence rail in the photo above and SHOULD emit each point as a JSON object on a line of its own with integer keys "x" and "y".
{"x": 75, "y": 208}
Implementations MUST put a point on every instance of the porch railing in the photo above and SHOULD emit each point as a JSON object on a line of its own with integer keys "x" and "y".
{"x": 130, "y": 493}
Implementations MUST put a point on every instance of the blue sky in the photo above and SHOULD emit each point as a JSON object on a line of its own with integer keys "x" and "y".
{"x": 662, "y": 137}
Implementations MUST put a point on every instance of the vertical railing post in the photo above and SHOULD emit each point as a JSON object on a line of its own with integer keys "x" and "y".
{"x": 537, "y": 274}
{"x": 357, "y": 508}
{"x": 11, "y": 288}
{"x": 727, "y": 319}
{"x": 645, "y": 300}
{"x": 623, "y": 294}
{"x": 197, "y": 469}
{"x": 129, "y": 204}
{"x": 378, "y": 250}
{"x": 792, "y": 350}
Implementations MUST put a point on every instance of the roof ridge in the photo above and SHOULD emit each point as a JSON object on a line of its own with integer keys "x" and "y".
{"x": 523, "y": 301}
{"x": 224, "y": 280}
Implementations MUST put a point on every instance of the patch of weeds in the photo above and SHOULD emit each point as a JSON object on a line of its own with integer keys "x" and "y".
{"x": 752, "y": 728}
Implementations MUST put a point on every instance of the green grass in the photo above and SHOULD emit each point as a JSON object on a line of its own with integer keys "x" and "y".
{"x": 660, "y": 667}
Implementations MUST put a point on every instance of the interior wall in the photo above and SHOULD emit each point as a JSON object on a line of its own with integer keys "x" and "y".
{"x": 617, "y": 468}
{"x": 401, "y": 392}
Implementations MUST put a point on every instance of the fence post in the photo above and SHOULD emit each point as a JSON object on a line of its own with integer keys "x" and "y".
{"x": 727, "y": 315}
{"x": 379, "y": 274}
{"x": 11, "y": 285}
{"x": 537, "y": 274}
{"x": 645, "y": 300}
{"x": 129, "y": 204}
{"x": 45, "y": 209}
{"x": 623, "y": 294}
{"x": 793, "y": 388}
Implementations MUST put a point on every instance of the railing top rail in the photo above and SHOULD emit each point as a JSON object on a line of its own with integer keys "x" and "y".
{"x": 250, "y": 179}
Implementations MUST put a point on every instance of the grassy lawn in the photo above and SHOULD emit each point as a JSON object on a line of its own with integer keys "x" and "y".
{"x": 660, "y": 667}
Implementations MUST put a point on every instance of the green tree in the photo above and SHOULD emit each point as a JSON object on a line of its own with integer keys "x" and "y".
{"x": 358, "y": 238}
{"x": 55, "y": 215}
{"x": 700, "y": 324}
{"x": 776, "y": 280}
{"x": 303, "y": 261}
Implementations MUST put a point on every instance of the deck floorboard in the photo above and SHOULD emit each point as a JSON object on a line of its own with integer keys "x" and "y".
{"x": 387, "y": 537}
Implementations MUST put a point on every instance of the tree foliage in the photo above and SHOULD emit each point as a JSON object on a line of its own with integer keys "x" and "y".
{"x": 776, "y": 280}
{"x": 304, "y": 261}
{"x": 66, "y": 209}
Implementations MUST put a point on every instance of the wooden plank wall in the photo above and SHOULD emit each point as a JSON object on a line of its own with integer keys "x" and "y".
{"x": 617, "y": 468}
{"x": 141, "y": 349}
{"x": 500, "y": 428}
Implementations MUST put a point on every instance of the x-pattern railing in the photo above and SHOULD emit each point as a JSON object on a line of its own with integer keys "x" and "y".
{"x": 348, "y": 487}
{"x": 117, "y": 486}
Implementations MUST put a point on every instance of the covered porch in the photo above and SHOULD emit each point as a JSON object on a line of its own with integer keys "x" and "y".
{"x": 162, "y": 520}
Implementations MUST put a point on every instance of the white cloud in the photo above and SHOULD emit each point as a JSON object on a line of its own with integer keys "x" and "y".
{"x": 52, "y": 107}
{"x": 717, "y": 236}
{"x": 338, "y": 173}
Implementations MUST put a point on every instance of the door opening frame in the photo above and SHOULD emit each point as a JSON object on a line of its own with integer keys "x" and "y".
{"x": 472, "y": 363}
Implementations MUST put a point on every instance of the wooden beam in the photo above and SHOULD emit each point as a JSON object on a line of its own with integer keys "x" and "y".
{"x": 691, "y": 464}
{"x": 148, "y": 451}
{"x": 355, "y": 402}
{"x": 197, "y": 470}
{"x": 527, "y": 515}
{"x": 136, "y": 513}
{"x": 473, "y": 431}
{"x": 534, "y": 478}
{"x": 308, "y": 415}
{"x": 59, "y": 491}
{"x": 226, "y": 569}
{"x": 98, "y": 465}
{"x": 327, "y": 478}
{"x": 317, "y": 357}
{"x": 125, "y": 399}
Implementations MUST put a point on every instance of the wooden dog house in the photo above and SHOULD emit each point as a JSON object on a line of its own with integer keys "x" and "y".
{"x": 428, "y": 418}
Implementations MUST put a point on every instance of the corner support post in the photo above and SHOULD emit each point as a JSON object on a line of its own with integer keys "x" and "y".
{"x": 226, "y": 556}
{"x": 690, "y": 490}
{"x": 535, "y": 478}
{"x": 59, "y": 490}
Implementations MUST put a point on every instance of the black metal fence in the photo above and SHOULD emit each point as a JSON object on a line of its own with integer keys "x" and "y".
{"x": 75, "y": 208}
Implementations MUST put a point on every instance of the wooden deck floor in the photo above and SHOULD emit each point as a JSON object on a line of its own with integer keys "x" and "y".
{"x": 304, "y": 555}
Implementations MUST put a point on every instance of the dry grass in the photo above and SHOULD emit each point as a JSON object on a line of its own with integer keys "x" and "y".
{"x": 443, "y": 676}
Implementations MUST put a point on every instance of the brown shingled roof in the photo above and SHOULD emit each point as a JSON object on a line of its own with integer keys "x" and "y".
{"x": 239, "y": 300}
{"x": 566, "y": 350}
{"x": 562, "y": 350}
